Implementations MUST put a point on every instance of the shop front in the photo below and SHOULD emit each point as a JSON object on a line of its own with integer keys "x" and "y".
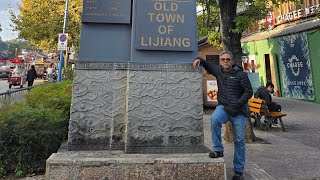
{"x": 289, "y": 57}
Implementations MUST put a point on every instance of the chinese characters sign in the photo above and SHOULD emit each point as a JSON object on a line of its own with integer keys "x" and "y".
{"x": 212, "y": 90}
{"x": 110, "y": 11}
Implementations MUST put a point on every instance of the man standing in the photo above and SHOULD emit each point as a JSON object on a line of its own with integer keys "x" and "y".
{"x": 32, "y": 74}
{"x": 234, "y": 91}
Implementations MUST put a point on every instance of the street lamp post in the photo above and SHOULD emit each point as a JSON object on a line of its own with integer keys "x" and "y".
{"x": 63, "y": 31}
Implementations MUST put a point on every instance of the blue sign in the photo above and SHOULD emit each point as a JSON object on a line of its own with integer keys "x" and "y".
{"x": 254, "y": 80}
{"x": 110, "y": 11}
{"x": 63, "y": 37}
{"x": 165, "y": 25}
{"x": 296, "y": 67}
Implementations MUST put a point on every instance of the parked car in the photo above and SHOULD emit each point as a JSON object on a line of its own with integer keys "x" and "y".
{"x": 4, "y": 72}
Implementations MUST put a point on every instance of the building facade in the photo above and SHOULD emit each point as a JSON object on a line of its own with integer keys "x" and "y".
{"x": 288, "y": 51}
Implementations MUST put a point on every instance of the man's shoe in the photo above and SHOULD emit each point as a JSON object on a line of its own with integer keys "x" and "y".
{"x": 216, "y": 154}
{"x": 237, "y": 176}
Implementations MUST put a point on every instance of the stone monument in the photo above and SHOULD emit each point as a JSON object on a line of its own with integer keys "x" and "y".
{"x": 137, "y": 101}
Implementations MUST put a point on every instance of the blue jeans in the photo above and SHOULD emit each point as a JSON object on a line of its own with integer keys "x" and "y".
{"x": 219, "y": 117}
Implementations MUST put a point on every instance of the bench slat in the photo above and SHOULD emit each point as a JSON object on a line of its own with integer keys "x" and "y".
{"x": 255, "y": 100}
{"x": 256, "y": 110}
{"x": 255, "y": 105}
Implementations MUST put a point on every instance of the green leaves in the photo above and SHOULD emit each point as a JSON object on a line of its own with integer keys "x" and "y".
{"x": 252, "y": 11}
{"x": 40, "y": 22}
{"x": 215, "y": 40}
{"x": 30, "y": 131}
{"x": 208, "y": 22}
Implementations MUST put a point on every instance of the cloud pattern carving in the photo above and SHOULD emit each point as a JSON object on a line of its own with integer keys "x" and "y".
{"x": 164, "y": 109}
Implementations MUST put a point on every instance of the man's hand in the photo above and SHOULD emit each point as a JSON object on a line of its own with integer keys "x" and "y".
{"x": 231, "y": 111}
{"x": 196, "y": 63}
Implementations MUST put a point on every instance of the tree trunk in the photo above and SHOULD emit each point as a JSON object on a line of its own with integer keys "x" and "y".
{"x": 249, "y": 134}
{"x": 231, "y": 42}
{"x": 208, "y": 12}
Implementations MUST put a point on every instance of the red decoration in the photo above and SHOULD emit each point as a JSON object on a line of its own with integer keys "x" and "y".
{"x": 16, "y": 61}
{"x": 253, "y": 67}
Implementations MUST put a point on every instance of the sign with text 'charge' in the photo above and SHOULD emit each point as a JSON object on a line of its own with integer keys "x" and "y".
{"x": 62, "y": 42}
{"x": 165, "y": 25}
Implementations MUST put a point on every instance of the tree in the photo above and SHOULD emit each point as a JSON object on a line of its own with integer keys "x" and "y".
{"x": 234, "y": 23}
{"x": 208, "y": 23}
{"x": 40, "y": 22}
{"x": 16, "y": 43}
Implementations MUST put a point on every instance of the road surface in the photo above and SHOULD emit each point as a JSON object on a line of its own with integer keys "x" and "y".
{"x": 4, "y": 86}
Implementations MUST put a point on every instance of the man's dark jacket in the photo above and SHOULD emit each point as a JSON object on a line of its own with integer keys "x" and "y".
{"x": 263, "y": 93}
{"x": 234, "y": 87}
{"x": 32, "y": 74}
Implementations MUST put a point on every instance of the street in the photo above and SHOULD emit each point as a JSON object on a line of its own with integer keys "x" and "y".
{"x": 4, "y": 86}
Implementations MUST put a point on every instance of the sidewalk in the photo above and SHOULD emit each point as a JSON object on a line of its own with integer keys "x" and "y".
{"x": 294, "y": 154}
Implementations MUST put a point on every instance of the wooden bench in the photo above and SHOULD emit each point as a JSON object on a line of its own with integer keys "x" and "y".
{"x": 259, "y": 109}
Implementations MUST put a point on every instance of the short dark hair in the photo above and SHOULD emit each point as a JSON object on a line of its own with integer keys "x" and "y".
{"x": 269, "y": 84}
{"x": 227, "y": 52}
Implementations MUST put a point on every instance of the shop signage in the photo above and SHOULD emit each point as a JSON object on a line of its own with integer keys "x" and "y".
{"x": 297, "y": 14}
{"x": 212, "y": 90}
{"x": 296, "y": 68}
{"x": 270, "y": 19}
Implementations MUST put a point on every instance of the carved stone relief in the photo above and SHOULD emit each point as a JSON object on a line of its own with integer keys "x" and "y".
{"x": 164, "y": 111}
{"x": 152, "y": 110}
{"x": 98, "y": 110}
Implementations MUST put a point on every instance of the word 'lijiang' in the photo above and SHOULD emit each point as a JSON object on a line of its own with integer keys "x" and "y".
{"x": 165, "y": 42}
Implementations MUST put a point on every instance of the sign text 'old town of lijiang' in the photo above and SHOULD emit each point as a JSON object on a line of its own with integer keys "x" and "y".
{"x": 163, "y": 26}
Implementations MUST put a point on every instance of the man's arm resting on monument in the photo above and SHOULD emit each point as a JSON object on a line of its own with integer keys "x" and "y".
{"x": 247, "y": 89}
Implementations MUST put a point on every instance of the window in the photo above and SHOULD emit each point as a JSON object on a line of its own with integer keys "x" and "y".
{"x": 213, "y": 58}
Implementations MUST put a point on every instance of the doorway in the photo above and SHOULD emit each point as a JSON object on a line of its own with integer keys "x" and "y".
{"x": 268, "y": 68}
{"x": 278, "y": 74}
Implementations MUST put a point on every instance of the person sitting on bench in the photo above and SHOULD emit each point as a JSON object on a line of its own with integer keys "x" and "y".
{"x": 264, "y": 93}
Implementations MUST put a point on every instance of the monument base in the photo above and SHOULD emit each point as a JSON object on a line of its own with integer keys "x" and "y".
{"x": 117, "y": 165}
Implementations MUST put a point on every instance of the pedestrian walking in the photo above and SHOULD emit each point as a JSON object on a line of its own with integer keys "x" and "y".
{"x": 31, "y": 75}
{"x": 234, "y": 91}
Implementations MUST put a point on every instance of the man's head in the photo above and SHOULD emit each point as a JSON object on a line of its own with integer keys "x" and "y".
{"x": 270, "y": 87}
{"x": 226, "y": 60}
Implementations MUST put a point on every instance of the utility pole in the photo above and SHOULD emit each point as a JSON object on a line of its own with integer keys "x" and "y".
{"x": 63, "y": 31}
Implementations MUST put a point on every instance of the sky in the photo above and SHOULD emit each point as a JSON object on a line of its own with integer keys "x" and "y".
{"x": 7, "y": 33}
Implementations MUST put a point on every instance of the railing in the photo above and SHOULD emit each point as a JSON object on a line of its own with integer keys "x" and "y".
{"x": 14, "y": 95}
